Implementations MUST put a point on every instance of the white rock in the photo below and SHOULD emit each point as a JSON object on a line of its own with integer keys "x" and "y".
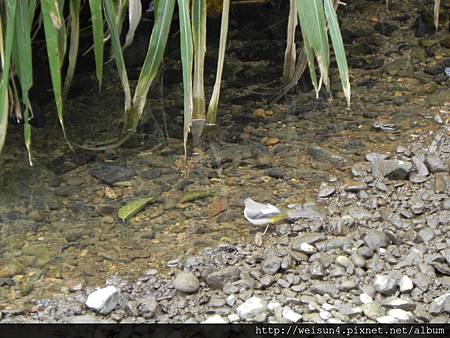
{"x": 325, "y": 315}
{"x": 233, "y": 318}
{"x": 274, "y": 308}
{"x": 365, "y": 298}
{"x": 307, "y": 248}
{"x": 387, "y": 320}
{"x": 251, "y": 307}
{"x": 406, "y": 284}
{"x": 103, "y": 300}
{"x": 291, "y": 315}
{"x": 328, "y": 307}
{"x": 215, "y": 319}
{"x": 401, "y": 315}
{"x": 334, "y": 321}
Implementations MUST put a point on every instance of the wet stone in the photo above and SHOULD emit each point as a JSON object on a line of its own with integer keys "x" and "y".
{"x": 111, "y": 174}
{"x": 360, "y": 169}
{"x": 326, "y": 191}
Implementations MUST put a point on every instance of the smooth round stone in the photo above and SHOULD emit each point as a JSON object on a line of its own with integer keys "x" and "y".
{"x": 186, "y": 282}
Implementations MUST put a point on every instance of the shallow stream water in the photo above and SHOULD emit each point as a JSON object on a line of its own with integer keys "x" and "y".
{"x": 58, "y": 219}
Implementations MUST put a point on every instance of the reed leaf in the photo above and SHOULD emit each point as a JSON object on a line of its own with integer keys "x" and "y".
{"x": 134, "y": 18}
{"x": 338, "y": 47}
{"x": 24, "y": 66}
{"x": 199, "y": 38}
{"x": 437, "y": 4}
{"x": 53, "y": 23}
{"x": 312, "y": 21}
{"x": 187, "y": 53}
{"x": 74, "y": 43}
{"x": 291, "y": 52}
{"x": 152, "y": 62}
{"x": 214, "y": 102}
{"x": 98, "y": 35}
{"x": 110, "y": 14}
{"x": 6, "y": 51}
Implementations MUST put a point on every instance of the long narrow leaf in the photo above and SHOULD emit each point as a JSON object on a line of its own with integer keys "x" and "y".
{"x": 291, "y": 52}
{"x": 117, "y": 51}
{"x": 9, "y": 22}
{"x": 98, "y": 34}
{"x": 312, "y": 21}
{"x": 74, "y": 43}
{"x": 199, "y": 38}
{"x": 134, "y": 18}
{"x": 214, "y": 103}
{"x": 338, "y": 46}
{"x": 24, "y": 65}
{"x": 437, "y": 4}
{"x": 187, "y": 55}
{"x": 152, "y": 62}
{"x": 52, "y": 22}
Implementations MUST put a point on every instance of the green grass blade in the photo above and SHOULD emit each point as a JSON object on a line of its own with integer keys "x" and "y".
{"x": 338, "y": 46}
{"x": 134, "y": 18}
{"x": 117, "y": 52}
{"x": 74, "y": 43}
{"x": 152, "y": 62}
{"x": 6, "y": 53}
{"x": 187, "y": 56}
{"x": 98, "y": 35}
{"x": 24, "y": 65}
{"x": 312, "y": 21}
{"x": 53, "y": 22}
{"x": 214, "y": 103}
{"x": 199, "y": 38}
{"x": 32, "y": 10}
{"x": 291, "y": 52}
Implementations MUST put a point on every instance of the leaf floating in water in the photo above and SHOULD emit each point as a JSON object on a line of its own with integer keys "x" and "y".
{"x": 195, "y": 195}
{"x": 131, "y": 209}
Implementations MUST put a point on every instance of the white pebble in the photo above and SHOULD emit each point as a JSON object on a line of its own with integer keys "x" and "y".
{"x": 215, "y": 319}
{"x": 307, "y": 248}
{"x": 103, "y": 300}
{"x": 387, "y": 320}
{"x": 233, "y": 318}
{"x": 406, "y": 284}
{"x": 401, "y": 315}
{"x": 251, "y": 307}
{"x": 365, "y": 298}
{"x": 325, "y": 315}
{"x": 291, "y": 315}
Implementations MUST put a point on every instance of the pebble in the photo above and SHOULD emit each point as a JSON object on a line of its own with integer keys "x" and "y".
{"x": 435, "y": 164}
{"x": 440, "y": 304}
{"x": 406, "y": 284}
{"x": 376, "y": 239}
{"x": 186, "y": 282}
{"x": 220, "y": 277}
{"x": 271, "y": 265}
{"x": 251, "y": 307}
{"x": 148, "y": 306}
{"x": 214, "y": 319}
{"x": 103, "y": 300}
{"x": 385, "y": 284}
{"x": 305, "y": 248}
{"x": 355, "y": 186}
{"x": 401, "y": 315}
{"x": 365, "y": 298}
{"x": 372, "y": 310}
{"x": 326, "y": 191}
{"x": 387, "y": 320}
{"x": 291, "y": 315}
{"x": 324, "y": 288}
{"x": 392, "y": 169}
